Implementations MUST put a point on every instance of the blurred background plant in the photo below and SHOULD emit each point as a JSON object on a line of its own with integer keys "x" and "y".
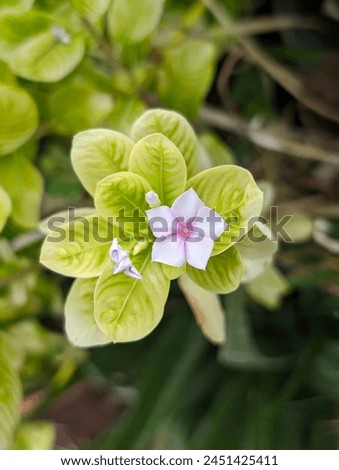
{"x": 258, "y": 80}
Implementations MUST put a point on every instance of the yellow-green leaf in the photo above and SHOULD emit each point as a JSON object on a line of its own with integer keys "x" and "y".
{"x": 98, "y": 153}
{"x": 132, "y": 21}
{"x": 159, "y": 161}
{"x": 223, "y": 272}
{"x": 186, "y": 75}
{"x": 269, "y": 288}
{"x": 80, "y": 248}
{"x": 127, "y": 309}
{"x": 123, "y": 195}
{"x": 80, "y": 325}
{"x": 75, "y": 107}
{"x": 256, "y": 250}
{"x": 19, "y": 117}
{"x": 24, "y": 185}
{"x": 176, "y": 128}
{"x": 91, "y": 8}
{"x": 10, "y": 394}
{"x": 5, "y": 207}
{"x": 35, "y": 435}
{"x": 38, "y": 47}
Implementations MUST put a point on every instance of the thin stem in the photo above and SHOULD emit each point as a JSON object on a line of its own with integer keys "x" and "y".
{"x": 282, "y": 75}
{"x": 267, "y": 137}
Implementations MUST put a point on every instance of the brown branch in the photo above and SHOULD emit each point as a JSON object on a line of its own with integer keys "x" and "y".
{"x": 267, "y": 137}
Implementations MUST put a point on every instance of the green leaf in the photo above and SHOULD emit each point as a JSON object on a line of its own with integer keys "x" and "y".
{"x": 269, "y": 288}
{"x": 16, "y": 4}
{"x": 240, "y": 350}
{"x": 79, "y": 249}
{"x": 10, "y": 393}
{"x": 123, "y": 194}
{"x": 35, "y": 435}
{"x": 159, "y": 161}
{"x": 126, "y": 309}
{"x": 233, "y": 193}
{"x": 24, "y": 185}
{"x": 256, "y": 250}
{"x": 38, "y": 47}
{"x": 21, "y": 118}
{"x": 206, "y": 308}
{"x": 64, "y": 217}
{"x": 98, "y": 153}
{"x": 214, "y": 151}
{"x": 176, "y": 128}
{"x": 5, "y": 208}
{"x": 186, "y": 75}
{"x": 80, "y": 325}
{"x": 223, "y": 272}
{"x": 91, "y": 8}
{"x": 132, "y": 21}
{"x": 300, "y": 228}
{"x": 126, "y": 110}
{"x": 78, "y": 106}
{"x": 172, "y": 272}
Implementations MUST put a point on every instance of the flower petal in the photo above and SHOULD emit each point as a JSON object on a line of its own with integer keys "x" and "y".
{"x": 169, "y": 251}
{"x": 187, "y": 205}
{"x": 209, "y": 222}
{"x": 133, "y": 272}
{"x": 198, "y": 253}
{"x": 123, "y": 264}
{"x": 161, "y": 221}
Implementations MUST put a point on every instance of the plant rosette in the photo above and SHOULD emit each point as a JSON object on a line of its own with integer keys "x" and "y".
{"x": 155, "y": 218}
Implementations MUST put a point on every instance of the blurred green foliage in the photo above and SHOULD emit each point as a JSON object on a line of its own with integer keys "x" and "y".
{"x": 70, "y": 65}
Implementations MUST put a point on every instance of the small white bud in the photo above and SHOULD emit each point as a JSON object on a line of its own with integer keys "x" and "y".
{"x": 153, "y": 199}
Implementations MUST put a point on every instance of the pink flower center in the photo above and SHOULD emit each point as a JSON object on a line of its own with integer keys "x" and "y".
{"x": 183, "y": 230}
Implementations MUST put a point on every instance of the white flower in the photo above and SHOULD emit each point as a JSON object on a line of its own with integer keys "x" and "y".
{"x": 185, "y": 232}
{"x": 122, "y": 262}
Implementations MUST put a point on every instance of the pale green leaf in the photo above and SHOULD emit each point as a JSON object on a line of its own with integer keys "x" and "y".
{"x": 19, "y": 118}
{"x": 5, "y": 207}
{"x": 132, "y": 21}
{"x": 214, "y": 152}
{"x": 78, "y": 106}
{"x": 300, "y": 228}
{"x": 98, "y": 153}
{"x": 172, "y": 272}
{"x": 159, "y": 161}
{"x": 233, "y": 193}
{"x": 80, "y": 325}
{"x": 269, "y": 288}
{"x": 223, "y": 272}
{"x": 35, "y": 435}
{"x": 269, "y": 193}
{"x": 207, "y": 309}
{"x": 79, "y": 249}
{"x": 91, "y": 8}
{"x": 186, "y": 75}
{"x": 176, "y": 128}
{"x": 256, "y": 250}
{"x": 126, "y": 110}
{"x": 24, "y": 185}
{"x": 128, "y": 309}
{"x": 123, "y": 194}
{"x": 16, "y": 4}
{"x": 46, "y": 225}
{"x": 38, "y": 47}
{"x": 10, "y": 394}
